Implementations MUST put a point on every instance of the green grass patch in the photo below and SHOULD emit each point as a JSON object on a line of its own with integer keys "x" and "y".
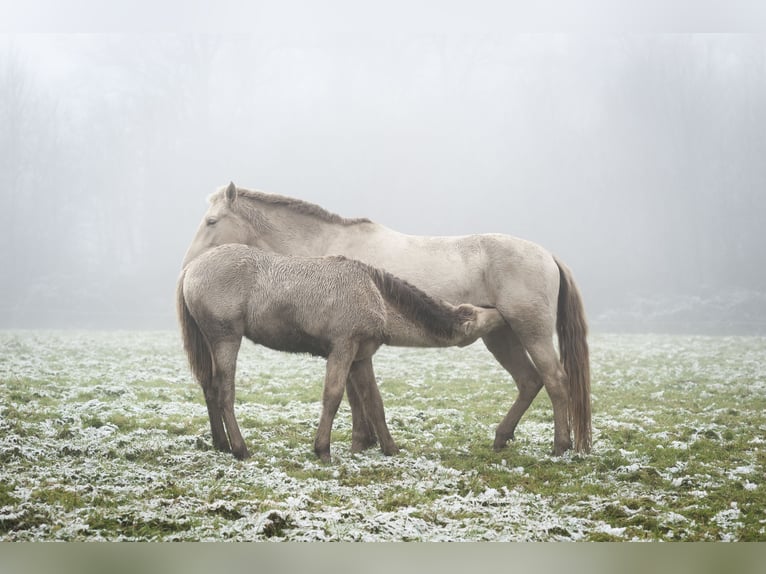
{"x": 105, "y": 436}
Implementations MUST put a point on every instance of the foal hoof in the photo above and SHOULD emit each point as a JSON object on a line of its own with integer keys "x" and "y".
{"x": 501, "y": 443}
{"x": 323, "y": 454}
{"x": 559, "y": 450}
{"x": 219, "y": 446}
{"x": 358, "y": 446}
{"x": 241, "y": 454}
{"x": 390, "y": 451}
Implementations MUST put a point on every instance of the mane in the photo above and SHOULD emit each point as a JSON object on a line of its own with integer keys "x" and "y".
{"x": 436, "y": 317}
{"x": 296, "y": 205}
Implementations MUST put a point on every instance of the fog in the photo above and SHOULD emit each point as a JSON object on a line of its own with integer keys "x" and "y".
{"x": 638, "y": 159}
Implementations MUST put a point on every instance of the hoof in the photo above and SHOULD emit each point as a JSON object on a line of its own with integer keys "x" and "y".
{"x": 324, "y": 455}
{"x": 560, "y": 450}
{"x": 363, "y": 444}
{"x": 501, "y": 443}
{"x": 241, "y": 454}
{"x": 390, "y": 451}
{"x": 222, "y": 446}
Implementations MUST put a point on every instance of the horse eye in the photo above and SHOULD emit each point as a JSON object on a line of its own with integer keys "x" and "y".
{"x": 212, "y": 220}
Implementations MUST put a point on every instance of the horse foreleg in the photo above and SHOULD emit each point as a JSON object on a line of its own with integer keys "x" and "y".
{"x": 362, "y": 431}
{"x": 509, "y": 352}
{"x": 362, "y": 378}
{"x": 226, "y": 366}
{"x": 338, "y": 365}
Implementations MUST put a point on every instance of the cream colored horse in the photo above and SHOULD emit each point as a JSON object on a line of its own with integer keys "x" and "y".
{"x": 333, "y": 307}
{"x": 534, "y": 291}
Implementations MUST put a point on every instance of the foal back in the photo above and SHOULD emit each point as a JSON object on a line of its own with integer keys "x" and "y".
{"x": 292, "y": 304}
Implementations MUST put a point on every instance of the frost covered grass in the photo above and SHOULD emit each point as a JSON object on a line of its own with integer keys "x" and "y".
{"x": 104, "y": 436}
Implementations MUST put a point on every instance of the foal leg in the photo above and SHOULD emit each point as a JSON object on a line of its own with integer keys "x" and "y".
{"x": 509, "y": 352}
{"x": 220, "y": 441}
{"x": 225, "y": 353}
{"x": 362, "y": 431}
{"x": 338, "y": 366}
{"x": 362, "y": 378}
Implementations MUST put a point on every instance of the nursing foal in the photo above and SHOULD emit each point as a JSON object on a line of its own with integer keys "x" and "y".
{"x": 333, "y": 307}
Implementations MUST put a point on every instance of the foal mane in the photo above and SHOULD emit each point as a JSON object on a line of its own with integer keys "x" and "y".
{"x": 437, "y": 318}
{"x": 296, "y": 205}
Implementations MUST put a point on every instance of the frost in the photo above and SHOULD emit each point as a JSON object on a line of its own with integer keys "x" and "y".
{"x": 111, "y": 442}
{"x": 610, "y": 530}
{"x": 674, "y": 518}
{"x": 729, "y": 522}
{"x": 750, "y": 469}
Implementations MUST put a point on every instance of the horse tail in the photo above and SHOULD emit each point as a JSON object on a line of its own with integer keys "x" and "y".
{"x": 195, "y": 343}
{"x": 572, "y": 330}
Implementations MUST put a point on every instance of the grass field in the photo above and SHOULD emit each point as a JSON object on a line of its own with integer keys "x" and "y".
{"x": 104, "y": 436}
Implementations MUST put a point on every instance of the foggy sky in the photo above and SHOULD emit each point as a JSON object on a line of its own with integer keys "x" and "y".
{"x": 638, "y": 159}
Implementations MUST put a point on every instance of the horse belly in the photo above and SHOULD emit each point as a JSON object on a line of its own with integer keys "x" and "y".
{"x": 279, "y": 331}
{"x": 298, "y": 342}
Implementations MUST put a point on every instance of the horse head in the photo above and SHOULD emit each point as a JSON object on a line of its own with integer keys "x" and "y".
{"x": 222, "y": 223}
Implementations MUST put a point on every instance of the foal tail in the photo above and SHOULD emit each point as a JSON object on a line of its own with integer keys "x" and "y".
{"x": 195, "y": 343}
{"x": 573, "y": 349}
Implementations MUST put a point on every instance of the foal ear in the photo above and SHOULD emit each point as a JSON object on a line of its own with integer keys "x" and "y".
{"x": 231, "y": 193}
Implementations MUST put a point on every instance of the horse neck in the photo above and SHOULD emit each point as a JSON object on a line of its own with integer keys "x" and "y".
{"x": 297, "y": 234}
{"x": 293, "y": 233}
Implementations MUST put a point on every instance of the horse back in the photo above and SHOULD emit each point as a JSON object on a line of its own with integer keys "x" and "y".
{"x": 287, "y": 303}
{"x": 313, "y": 303}
{"x": 480, "y": 269}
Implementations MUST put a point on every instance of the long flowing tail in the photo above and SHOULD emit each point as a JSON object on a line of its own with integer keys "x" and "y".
{"x": 575, "y": 357}
{"x": 195, "y": 343}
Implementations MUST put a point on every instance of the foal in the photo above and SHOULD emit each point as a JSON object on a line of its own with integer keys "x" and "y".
{"x": 333, "y": 307}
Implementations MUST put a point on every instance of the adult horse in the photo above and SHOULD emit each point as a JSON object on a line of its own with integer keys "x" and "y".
{"x": 533, "y": 290}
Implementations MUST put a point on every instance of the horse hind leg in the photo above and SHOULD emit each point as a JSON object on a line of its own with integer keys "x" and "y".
{"x": 362, "y": 430}
{"x": 337, "y": 371}
{"x": 225, "y": 354}
{"x": 362, "y": 379}
{"x": 220, "y": 441}
{"x": 556, "y": 383}
{"x": 509, "y": 352}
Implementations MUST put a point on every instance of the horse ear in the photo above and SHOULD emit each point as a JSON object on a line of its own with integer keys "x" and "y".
{"x": 231, "y": 193}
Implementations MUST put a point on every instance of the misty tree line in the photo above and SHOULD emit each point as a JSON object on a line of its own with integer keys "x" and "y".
{"x": 668, "y": 191}
{"x": 87, "y": 190}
